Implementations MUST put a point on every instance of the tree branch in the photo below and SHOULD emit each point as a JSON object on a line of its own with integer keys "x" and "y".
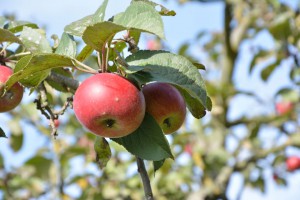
{"x": 145, "y": 179}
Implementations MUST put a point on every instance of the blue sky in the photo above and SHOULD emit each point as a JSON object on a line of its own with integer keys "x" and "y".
{"x": 191, "y": 18}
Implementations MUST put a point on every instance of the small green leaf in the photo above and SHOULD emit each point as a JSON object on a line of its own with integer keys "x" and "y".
{"x": 100, "y": 13}
{"x": 7, "y": 36}
{"x": 167, "y": 67}
{"x": 135, "y": 15}
{"x": 147, "y": 142}
{"x": 32, "y": 69}
{"x": 41, "y": 166}
{"x": 85, "y": 52}
{"x": 280, "y": 27}
{"x": 16, "y": 136}
{"x": 164, "y": 11}
{"x": 67, "y": 46}
{"x": 2, "y": 134}
{"x": 78, "y": 27}
{"x": 98, "y": 34}
{"x": 17, "y": 26}
{"x": 289, "y": 94}
{"x": 267, "y": 71}
{"x": 103, "y": 152}
{"x": 208, "y": 103}
{"x": 199, "y": 66}
{"x": 158, "y": 164}
{"x": 35, "y": 40}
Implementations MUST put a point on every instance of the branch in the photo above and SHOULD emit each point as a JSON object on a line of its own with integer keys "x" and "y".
{"x": 63, "y": 80}
{"x": 145, "y": 179}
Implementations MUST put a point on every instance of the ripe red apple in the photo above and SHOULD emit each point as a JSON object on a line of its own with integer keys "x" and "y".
{"x": 283, "y": 107}
{"x": 13, "y": 96}
{"x": 109, "y": 105}
{"x": 292, "y": 163}
{"x": 165, "y": 103}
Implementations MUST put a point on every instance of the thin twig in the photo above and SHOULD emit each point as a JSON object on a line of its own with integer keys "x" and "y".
{"x": 145, "y": 179}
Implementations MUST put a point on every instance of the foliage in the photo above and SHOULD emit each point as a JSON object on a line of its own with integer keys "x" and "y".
{"x": 98, "y": 168}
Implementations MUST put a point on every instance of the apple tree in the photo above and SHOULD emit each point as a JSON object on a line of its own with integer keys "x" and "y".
{"x": 94, "y": 76}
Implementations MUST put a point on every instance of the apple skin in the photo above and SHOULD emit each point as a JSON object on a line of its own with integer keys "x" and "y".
{"x": 283, "y": 107}
{"x": 14, "y": 95}
{"x": 109, "y": 105}
{"x": 165, "y": 103}
{"x": 292, "y": 163}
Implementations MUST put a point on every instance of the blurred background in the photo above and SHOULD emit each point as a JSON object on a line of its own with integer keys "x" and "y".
{"x": 240, "y": 150}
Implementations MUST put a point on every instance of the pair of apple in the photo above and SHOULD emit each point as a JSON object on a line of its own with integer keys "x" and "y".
{"x": 111, "y": 106}
{"x": 12, "y": 97}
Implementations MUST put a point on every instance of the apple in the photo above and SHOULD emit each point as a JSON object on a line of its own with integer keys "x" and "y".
{"x": 165, "y": 103}
{"x": 292, "y": 163}
{"x": 13, "y": 96}
{"x": 56, "y": 123}
{"x": 109, "y": 105}
{"x": 283, "y": 107}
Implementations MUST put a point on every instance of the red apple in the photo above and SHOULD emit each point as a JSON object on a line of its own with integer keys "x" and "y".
{"x": 165, "y": 103}
{"x": 283, "y": 107}
{"x": 56, "y": 123}
{"x": 13, "y": 96}
{"x": 292, "y": 163}
{"x": 109, "y": 105}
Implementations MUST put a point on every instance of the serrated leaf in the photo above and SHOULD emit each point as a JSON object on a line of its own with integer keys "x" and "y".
{"x": 135, "y": 15}
{"x": 67, "y": 46}
{"x": 98, "y": 34}
{"x": 7, "y": 36}
{"x": 85, "y": 52}
{"x": 147, "y": 142}
{"x": 78, "y": 27}
{"x": 103, "y": 152}
{"x": 158, "y": 164}
{"x": 35, "y": 40}
{"x": 41, "y": 166}
{"x": 17, "y": 26}
{"x": 33, "y": 69}
{"x": 167, "y": 67}
{"x": 2, "y": 133}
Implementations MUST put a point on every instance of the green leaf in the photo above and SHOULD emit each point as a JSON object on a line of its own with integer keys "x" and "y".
{"x": 78, "y": 27}
{"x": 164, "y": 11}
{"x": 2, "y": 134}
{"x": 135, "y": 15}
{"x": 35, "y": 40}
{"x": 103, "y": 152}
{"x": 98, "y": 34}
{"x": 71, "y": 152}
{"x": 199, "y": 66}
{"x": 41, "y": 166}
{"x": 167, "y": 67}
{"x": 158, "y": 164}
{"x": 147, "y": 142}
{"x": 85, "y": 52}
{"x": 100, "y": 13}
{"x": 262, "y": 55}
{"x": 208, "y": 103}
{"x": 67, "y": 46}
{"x": 16, "y": 138}
{"x": 267, "y": 71}
{"x": 280, "y": 27}
{"x": 17, "y": 26}
{"x": 289, "y": 94}
{"x": 7, "y": 36}
{"x": 32, "y": 69}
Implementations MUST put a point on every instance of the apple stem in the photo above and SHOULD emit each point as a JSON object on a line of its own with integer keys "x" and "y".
{"x": 145, "y": 179}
